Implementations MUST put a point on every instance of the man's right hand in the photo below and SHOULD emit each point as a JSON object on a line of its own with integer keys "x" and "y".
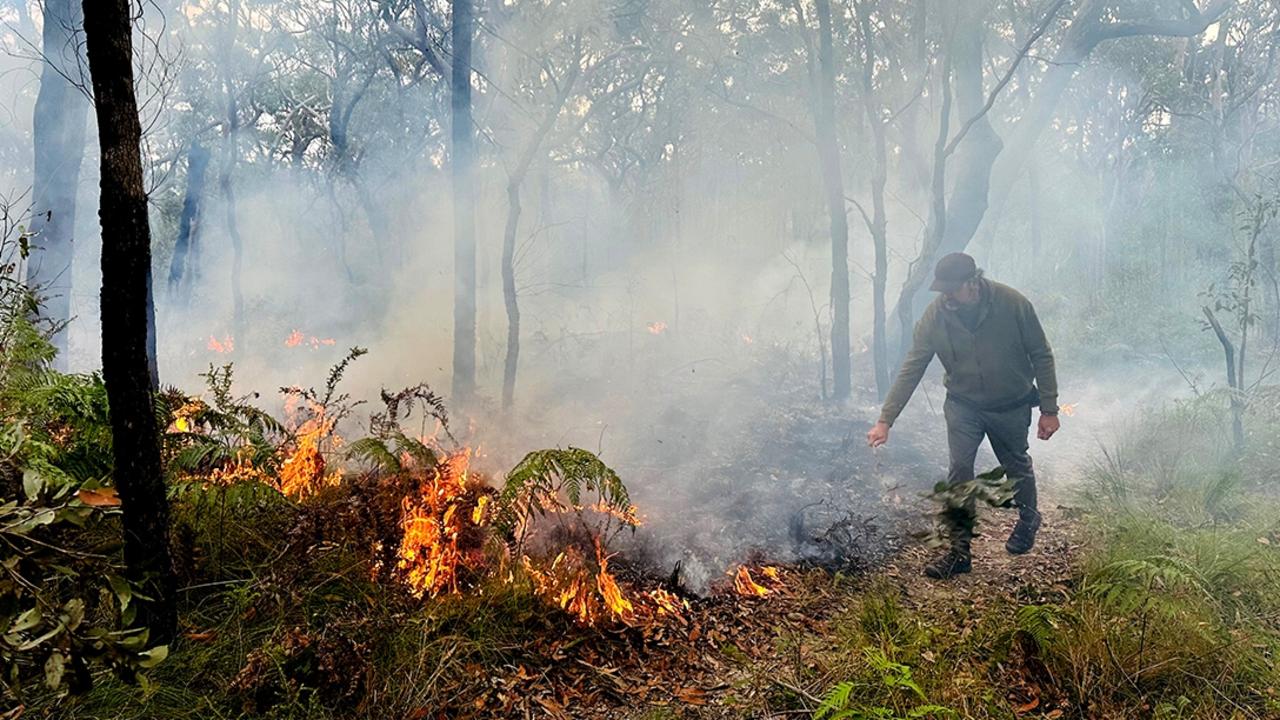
{"x": 878, "y": 435}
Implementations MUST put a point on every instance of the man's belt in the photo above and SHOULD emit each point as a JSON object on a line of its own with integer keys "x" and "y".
{"x": 1031, "y": 399}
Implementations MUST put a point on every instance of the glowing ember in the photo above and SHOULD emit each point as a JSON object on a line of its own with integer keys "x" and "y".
{"x": 226, "y": 345}
{"x": 657, "y": 328}
{"x": 1069, "y": 409}
{"x": 743, "y": 584}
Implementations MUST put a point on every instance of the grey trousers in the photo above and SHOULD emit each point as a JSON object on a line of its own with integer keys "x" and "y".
{"x": 1007, "y": 431}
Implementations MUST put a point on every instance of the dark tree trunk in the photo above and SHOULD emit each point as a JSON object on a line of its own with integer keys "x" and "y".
{"x": 833, "y": 182}
{"x": 126, "y": 265}
{"x": 510, "y": 296}
{"x": 464, "y": 207}
{"x": 184, "y": 267}
{"x": 58, "y": 134}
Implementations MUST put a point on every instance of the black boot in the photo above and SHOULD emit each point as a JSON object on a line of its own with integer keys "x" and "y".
{"x": 956, "y": 561}
{"x": 949, "y": 565}
{"x": 1023, "y": 537}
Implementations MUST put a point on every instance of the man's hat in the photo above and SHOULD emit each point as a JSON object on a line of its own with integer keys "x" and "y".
{"x": 952, "y": 271}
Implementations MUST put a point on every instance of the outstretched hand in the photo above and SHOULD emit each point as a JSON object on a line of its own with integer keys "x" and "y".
{"x": 878, "y": 435}
{"x": 1048, "y": 426}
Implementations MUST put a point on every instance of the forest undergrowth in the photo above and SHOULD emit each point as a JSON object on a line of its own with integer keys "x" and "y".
{"x": 322, "y": 577}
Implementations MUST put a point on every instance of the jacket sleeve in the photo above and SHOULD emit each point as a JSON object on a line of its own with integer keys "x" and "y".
{"x": 913, "y": 368}
{"x": 1041, "y": 356}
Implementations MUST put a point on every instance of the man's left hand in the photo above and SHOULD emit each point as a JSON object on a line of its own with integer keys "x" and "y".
{"x": 1048, "y": 426}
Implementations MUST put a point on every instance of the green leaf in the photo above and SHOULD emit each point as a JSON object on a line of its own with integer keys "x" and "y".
{"x": 26, "y": 621}
{"x": 154, "y": 656}
{"x": 32, "y": 483}
{"x": 122, "y": 589}
{"x": 53, "y": 669}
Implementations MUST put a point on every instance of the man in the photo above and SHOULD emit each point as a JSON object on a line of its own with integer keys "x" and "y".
{"x": 998, "y": 364}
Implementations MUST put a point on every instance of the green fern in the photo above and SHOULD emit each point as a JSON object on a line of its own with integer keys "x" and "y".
{"x": 835, "y": 701}
{"x": 543, "y": 477}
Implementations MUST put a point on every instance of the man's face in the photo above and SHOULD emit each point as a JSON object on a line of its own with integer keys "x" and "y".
{"x": 967, "y": 294}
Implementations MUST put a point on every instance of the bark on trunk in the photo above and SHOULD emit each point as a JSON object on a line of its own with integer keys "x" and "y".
{"x": 464, "y": 208}
{"x": 833, "y": 182}
{"x": 58, "y": 129}
{"x": 126, "y": 264}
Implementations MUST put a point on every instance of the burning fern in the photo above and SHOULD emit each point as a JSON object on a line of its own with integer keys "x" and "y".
{"x": 553, "y": 481}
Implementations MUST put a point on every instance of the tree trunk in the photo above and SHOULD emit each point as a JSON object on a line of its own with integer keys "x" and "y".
{"x": 184, "y": 267}
{"x": 464, "y": 207}
{"x": 937, "y": 216}
{"x": 230, "y": 149}
{"x": 833, "y": 182}
{"x": 126, "y": 264}
{"x": 58, "y": 129}
{"x": 509, "y": 296}
{"x": 877, "y": 224}
{"x": 974, "y": 158}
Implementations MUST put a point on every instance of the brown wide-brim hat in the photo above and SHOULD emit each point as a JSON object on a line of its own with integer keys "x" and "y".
{"x": 952, "y": 271}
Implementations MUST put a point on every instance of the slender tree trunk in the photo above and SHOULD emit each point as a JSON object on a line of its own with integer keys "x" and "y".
{"x": 509, "y": 296}
{"x": 231, "y": 150}
{"x": 974, "y": 158}
{"x": 184, "y": 266}
{"x": 878, "y": 224}
{"x": 937, "y": 224}
{"x": 464, "y": 207}
{"x": 126, "y": 264}
{"x": 833, "y": 181}
{"x": 1033, "y": 207}
{"x": 58, "y": 128}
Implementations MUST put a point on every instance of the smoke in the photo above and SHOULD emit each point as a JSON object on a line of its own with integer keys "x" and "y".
{"x": 673, "y": 255}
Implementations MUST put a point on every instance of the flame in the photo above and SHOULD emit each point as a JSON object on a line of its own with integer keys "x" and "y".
{"x": 747, "y": 339}
{"x": 667, "y": 603}
{"x": 226, "y": 345}
{"x": 434, "y": 522}
{"x": 657, "y": 328}
{"x": 743, "y": 584}
{"x": 297, "y": 337}
{"x": 614, "y": 600}
{"x": 303, "y": 472}
{"x": 1068, "y": 409}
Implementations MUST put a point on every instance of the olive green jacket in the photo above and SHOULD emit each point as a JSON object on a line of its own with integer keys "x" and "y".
{"x": 994, "y": 366}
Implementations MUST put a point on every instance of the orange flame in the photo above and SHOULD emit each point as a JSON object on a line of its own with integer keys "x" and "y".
{"x": 743, "y": 583}
{"x": 226, "y": 345}
{"x": 430, "y": 554}
{"x": 1068, "y": 409}
{"x": 297, "y": 337}
{"x": 657, "y": 328}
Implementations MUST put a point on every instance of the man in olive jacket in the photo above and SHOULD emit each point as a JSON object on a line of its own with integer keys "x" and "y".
{"x": 998, "y": 365}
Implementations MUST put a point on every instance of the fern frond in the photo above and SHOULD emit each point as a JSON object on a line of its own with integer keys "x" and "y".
{"x": 835, "y": 700}
{"x": 374, "y": 451}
